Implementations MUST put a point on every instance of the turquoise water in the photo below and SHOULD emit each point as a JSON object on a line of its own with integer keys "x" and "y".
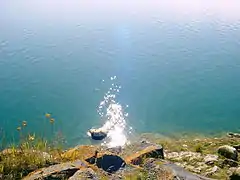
{"x": 177, "y": 73}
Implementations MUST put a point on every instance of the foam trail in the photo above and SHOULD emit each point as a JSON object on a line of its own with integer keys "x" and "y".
{"x": 114, "y": 116}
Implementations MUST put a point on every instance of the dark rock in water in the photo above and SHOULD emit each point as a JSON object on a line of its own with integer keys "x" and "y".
{"x": 109, "y": 163}
{"x": 84, "y": 174}
{"x": 97, "y": 134}
{"x": 144, "y": 150}
{"x": 228, "y": 152}
{"x": 59, "y": 171}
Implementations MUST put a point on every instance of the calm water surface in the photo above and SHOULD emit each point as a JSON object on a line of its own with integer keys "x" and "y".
{"x": 176, "y": 74}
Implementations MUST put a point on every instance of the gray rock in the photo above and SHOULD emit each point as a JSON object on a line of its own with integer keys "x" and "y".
{"x": 231, "y": 170}
{"x": 230, "y": 163}
{"x": 182, "y": 174}
{"x": 234, "y": 135}
{"x": 183, "y": 154}
{"x": 228, "y": 152}
{"x": 212, "y": 171}
{"x": 155, "y": 169}
{"x": 210, "y": 159}
{"x": 237, "y": 147}
{"x": 84, "y": 174}
{"x": 59, "y": 171}
{"x": 236, "y": 174}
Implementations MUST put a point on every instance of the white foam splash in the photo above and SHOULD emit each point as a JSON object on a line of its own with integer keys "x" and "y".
{"x": 114, "y": 116}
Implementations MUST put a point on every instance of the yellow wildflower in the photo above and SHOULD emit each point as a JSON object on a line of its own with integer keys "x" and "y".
{"x": 47, "y": 115}
{"x": 52, "y": 120}
{"x": 24, "y": 123}
{"x": 31, "y": 137}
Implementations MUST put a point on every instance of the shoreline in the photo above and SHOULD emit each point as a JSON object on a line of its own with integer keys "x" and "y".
{"x": 197, "y": 154}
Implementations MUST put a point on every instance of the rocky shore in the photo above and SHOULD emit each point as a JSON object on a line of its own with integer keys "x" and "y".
{"x": 149, "y": 157}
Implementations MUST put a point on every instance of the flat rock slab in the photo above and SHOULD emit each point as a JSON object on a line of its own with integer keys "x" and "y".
{"x": 143, "y": 150}
{"x": 59, "y": 171}
{"x": 80, "y": 152}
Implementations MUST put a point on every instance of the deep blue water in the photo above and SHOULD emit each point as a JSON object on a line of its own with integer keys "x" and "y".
{"x": 177, "y": 74}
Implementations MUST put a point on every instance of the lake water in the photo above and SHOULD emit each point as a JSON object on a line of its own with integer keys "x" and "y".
{"x": 174, "y": 72}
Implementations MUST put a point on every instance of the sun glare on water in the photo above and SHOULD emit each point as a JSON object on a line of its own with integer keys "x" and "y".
{"x": 114, "y": 116}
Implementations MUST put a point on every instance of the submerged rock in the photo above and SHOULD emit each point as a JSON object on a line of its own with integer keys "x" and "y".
{"x": 228, "y": 152}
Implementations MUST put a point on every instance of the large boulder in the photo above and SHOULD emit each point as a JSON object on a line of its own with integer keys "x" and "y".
{"x": 59, "y": 171}
{"x": 228, "y": 152}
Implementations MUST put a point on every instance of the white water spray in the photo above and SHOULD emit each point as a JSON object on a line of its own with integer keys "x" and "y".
{"x": 114, "y": 116}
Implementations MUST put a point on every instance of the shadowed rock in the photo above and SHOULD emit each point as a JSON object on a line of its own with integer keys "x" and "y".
{"x": 108, "y": 162}
{"x": 230, "y": 163}
{"x": 59, "y": 171}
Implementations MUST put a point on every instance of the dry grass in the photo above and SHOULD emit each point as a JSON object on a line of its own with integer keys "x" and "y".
{"x": 17, "y": 160}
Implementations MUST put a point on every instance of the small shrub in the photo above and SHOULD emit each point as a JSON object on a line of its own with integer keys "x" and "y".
{"x": 199, "y": 148}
